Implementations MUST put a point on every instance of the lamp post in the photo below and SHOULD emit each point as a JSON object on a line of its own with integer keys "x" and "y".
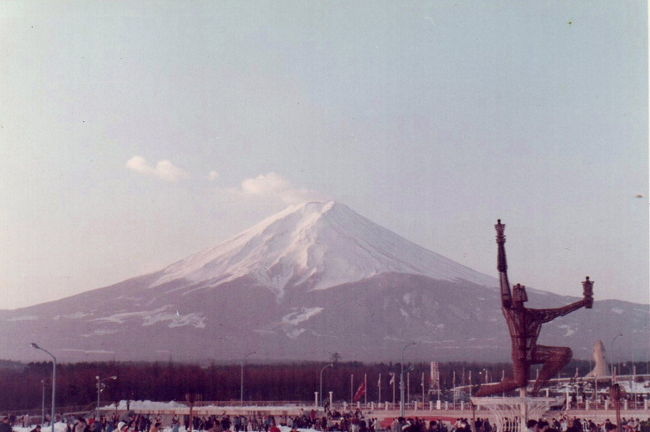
{"x": 320, "y": 391}
{"x": 100, "y": 387}
{"x": 35, "y": 346}
{"x": 401, "y": 380}
{"x": 614, "y": 365}
{"x": 241, "y": 378}
{"x": 453, "y": 385}
{"x": 42, "y": 402}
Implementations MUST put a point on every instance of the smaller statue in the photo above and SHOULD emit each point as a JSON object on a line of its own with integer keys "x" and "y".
{"x": 524, "y": 325}
{"x": 600, "y": 368}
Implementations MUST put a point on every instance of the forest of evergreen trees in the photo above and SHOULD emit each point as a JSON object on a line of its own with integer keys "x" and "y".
{"x": 76, "y": 382}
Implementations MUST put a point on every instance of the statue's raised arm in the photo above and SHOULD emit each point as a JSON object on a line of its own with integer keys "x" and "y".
{"x": 502, "y": 265}
{"x": 546, "y": 315}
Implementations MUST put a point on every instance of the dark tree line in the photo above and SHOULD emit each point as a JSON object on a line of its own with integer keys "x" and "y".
{"x": 76, "y": 382}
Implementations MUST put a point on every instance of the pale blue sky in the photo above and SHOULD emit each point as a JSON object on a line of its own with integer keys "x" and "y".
{"x": 431, "y": 118}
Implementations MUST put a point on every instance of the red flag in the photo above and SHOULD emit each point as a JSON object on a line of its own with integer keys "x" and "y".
{"x": 360, "y": 392}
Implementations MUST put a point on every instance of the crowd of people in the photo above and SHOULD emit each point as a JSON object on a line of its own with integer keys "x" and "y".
{"x": 329, "y": 421}
{"x": 567, "y": 424}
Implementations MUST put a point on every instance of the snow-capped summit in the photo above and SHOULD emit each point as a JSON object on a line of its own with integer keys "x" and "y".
{"x": 319, "y": 244}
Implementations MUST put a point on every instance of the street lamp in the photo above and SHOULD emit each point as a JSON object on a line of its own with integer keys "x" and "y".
{"x": 401, "y": 380}
{"x": 484, "y": 372}
{"x": 320, "y": 391}
{"x": 100, "y": 387}
{"x": 42, "y": 402}
{"x": 35, "y": 346}
{"x": 241, "y": 379}
{"x": 614, "y": 366}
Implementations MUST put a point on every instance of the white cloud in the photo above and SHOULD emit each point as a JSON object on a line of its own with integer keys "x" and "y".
{"x": 265, "y": 184}
{"x": 273, "y": 185}
{"x": 164, "y": 169}
{"x": 213, "y": 175}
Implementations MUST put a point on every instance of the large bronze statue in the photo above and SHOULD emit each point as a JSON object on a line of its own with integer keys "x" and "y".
{"x": 524, "y": 325}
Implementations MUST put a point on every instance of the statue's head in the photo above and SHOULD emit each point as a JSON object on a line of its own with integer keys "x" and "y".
{"x": 519, "y": 296}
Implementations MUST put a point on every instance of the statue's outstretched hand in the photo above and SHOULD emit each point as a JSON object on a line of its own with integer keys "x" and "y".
{"x": 588, "y": 292}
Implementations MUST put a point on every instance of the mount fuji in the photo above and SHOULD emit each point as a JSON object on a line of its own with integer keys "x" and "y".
{"x": 316, "y": 246}
{"x": 314, "y": 279}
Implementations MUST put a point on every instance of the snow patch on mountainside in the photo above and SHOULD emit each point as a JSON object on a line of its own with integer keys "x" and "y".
{"x": 162, "y": 314}
{"x": 100, "y": 332}
{"x": 569, "y": 330}
{"x": 195, "y": 320}
{"x": 294, "y": 333}
{"x": 323, "y": 243}
{"x": 74, "y": 315}
{"x": 98, "y": 351}
{"x": 122, "y": 317}
{"x": 23, "y": 318}
{"x": 295, "y": 318}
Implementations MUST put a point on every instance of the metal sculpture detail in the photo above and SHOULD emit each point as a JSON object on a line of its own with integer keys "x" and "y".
{"x": 524, "y": 325}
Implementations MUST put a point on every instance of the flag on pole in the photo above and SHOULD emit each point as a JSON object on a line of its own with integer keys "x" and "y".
{"x": 360, "y": 392}
{"x": 392, "y": 378}
{"x": 365, "y": 385}
{"x": 379, "y": 381}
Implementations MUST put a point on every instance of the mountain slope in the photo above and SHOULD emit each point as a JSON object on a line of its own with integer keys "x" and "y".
{"x": 314, "y": 279}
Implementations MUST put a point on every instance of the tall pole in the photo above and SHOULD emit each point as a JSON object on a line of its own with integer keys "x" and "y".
{"x": 408, "y": 387}
{"x": 401, "y": 380}
{"x": 43, "y": 402}
{"x": 453, "y": 385}
{"x": 379, "y": 385}
{"x": 614, "y": 365}
{"x": 53, "y": 417}
{"x": 365, "y": 386}
{"x": 99, "y": 390}
{"x": 35, "y": 346}
{"x": 422, "y": 384}
{"x": 632, "y": 383}
{"x": 241, "y": 378}
{"x": 351, "y": 388}
{"x": 320, "y": 391}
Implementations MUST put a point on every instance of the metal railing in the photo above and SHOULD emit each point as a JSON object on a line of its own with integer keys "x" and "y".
{"x": 412, "y": 407}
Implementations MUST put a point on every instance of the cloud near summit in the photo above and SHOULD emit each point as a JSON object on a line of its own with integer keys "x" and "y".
{"x": 273, "y": 185}
{"x": 164, "y": 169}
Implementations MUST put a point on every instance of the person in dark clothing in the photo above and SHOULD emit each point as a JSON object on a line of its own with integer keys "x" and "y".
{"x": 576, "y": 426}
{"x": 5, "y": 426}
{"x": 225, "y": 423}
